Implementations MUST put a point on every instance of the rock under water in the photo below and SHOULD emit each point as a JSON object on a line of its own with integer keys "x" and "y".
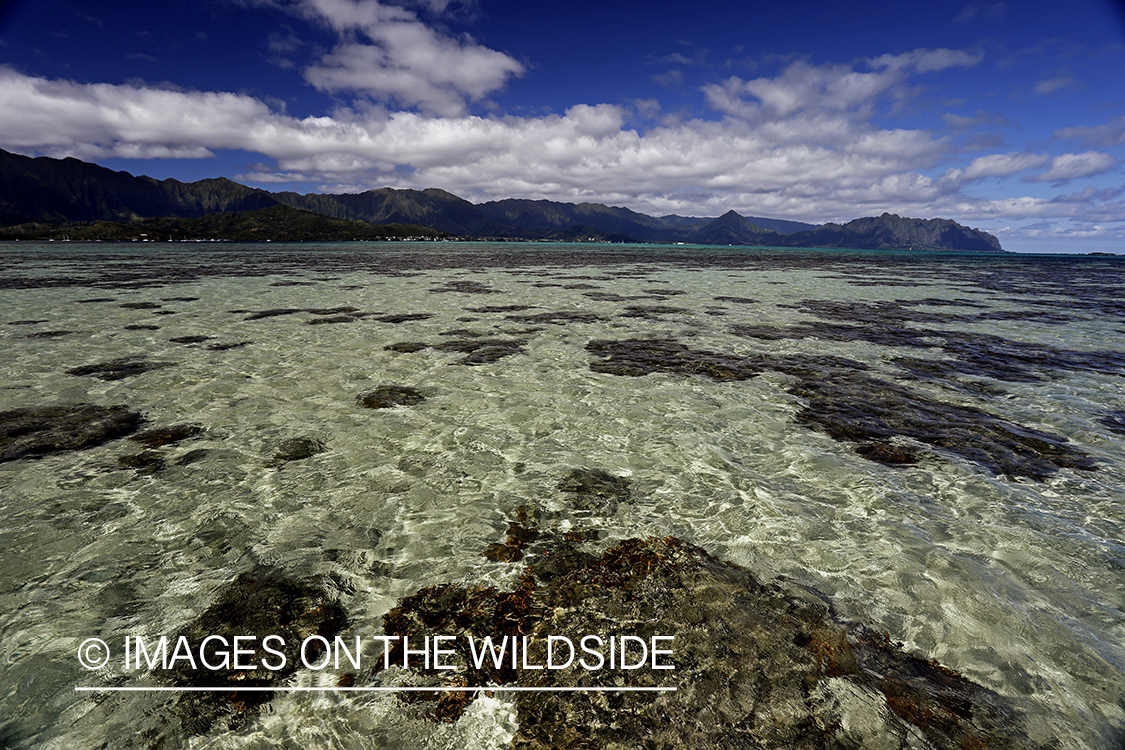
{"x": 33, "y": 432}
{"x": 259, "y": 603}
{"x": 756, "y": 664}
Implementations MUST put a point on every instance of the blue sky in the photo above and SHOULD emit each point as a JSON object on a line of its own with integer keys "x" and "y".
{"x": 1006, "y": 116}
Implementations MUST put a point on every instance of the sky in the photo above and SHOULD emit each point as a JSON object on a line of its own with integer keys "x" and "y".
{"x": 1004, "y": 116}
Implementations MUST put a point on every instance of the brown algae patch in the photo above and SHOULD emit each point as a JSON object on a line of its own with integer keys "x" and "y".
{"x": 741, "y": 662}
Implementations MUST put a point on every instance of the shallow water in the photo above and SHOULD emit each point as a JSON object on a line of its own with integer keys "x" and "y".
{"x": 1015, "y": 581}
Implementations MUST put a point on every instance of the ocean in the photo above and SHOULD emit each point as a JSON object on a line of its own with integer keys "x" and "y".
{"x": 933, "y": 442}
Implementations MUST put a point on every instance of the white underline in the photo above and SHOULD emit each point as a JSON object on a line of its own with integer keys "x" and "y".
{"x": 373, "y": 689}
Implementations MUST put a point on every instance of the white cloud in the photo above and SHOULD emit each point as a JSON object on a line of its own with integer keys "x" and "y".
{"x": 1106, "y": 135}
{"x": 1071, "y": 166}
{"x": 803, "y": 145}
{"x": 927, "y": 60}
{"x": 1000, "y": 165}
{"x": 1051, "y": 85}
{"x": 388, "y": 53}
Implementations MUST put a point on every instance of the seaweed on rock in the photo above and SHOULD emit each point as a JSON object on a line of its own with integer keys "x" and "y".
{"x": 257, "y": 604}
{"x": 754, "y": 664}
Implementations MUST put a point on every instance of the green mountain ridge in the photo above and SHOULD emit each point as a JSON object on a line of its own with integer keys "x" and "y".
{"x": 276, "y": 223}
{"x": 43, "y": 190}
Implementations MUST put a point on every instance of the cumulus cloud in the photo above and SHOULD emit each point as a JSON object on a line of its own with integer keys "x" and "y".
{"x": 999, "y": 165}
{"x": 805, "y": 89}
{"x": 389, "y": 53}
{"x": 803, "y": 144}
{"x": 1072, "y": 166}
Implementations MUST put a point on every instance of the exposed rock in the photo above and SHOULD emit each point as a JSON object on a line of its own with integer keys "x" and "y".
{"x": 756, "y": 665}
{"x": 33, "y": 432}
{"x": 386, "y": 396}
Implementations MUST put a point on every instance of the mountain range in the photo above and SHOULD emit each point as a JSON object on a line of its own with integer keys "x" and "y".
{"x": 43, "y": 190}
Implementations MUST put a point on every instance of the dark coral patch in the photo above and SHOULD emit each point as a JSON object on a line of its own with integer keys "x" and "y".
{"x": 636, "y": 357}
{"x": 559, "y": 317}
{"x": 386, "y": 396}
{"x": 595, "y": 490}
{"x": 464, "y": 287}
{"x": 1115, "y": 421}
{"x": 33, "y": 432}
{"x": 853, "y": 406}
{"x": 403, "y": 317}
{"x": 157, "y": 437}
{"x": 117, "y": 369}
{"x": 406, "y": 347}
{"x": 480, "y": 351}
{"x": 47, "y": 334}
{"x": 296, "y": 449}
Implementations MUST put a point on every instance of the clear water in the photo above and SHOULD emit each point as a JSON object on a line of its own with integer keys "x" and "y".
{"x": 1017, "y": 584}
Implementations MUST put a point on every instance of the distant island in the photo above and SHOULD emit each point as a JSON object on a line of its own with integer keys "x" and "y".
{"x": 43, "y": 198}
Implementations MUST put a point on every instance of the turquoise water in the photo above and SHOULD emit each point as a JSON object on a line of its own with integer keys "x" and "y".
{"x": 1017, "y": 582}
